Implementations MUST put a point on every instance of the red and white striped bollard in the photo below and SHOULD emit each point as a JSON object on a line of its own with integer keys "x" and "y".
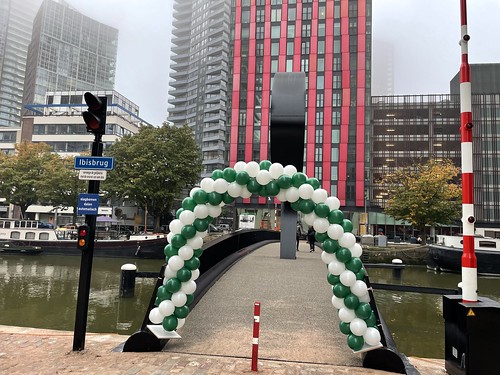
{"x": 255, "y": 341}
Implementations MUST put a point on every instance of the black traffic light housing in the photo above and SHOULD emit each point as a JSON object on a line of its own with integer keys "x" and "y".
{"x": 95, "y": 116}
{"x": 83, "y": 237}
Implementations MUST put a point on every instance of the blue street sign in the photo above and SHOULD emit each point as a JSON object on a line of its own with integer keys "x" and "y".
{"x": 94, "y": 162}
{"x": 88, "y": 204}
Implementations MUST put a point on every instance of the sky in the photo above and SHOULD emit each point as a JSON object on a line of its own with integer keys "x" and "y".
{"x": 424, "y": 35}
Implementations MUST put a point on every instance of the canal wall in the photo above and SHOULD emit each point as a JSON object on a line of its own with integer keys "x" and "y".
{"x": 409, "y": 254}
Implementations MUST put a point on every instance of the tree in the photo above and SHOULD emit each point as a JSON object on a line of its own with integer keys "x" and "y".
{"x": 424, "y": 194}
{"x": 22, "y": 174}
{"x": 153, "y": 166}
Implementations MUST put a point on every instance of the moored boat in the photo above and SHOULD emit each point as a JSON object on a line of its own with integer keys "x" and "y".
{"x": 13, "y": 248}
{"x": 57, "y": 242}
{"x": 446, "y": 254}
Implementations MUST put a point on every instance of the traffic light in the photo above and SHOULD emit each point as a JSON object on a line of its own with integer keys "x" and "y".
{"x": 83, "y": 237}
{"x": 95, "y": 116}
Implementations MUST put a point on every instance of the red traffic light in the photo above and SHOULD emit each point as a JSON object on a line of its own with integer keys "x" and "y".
{"x": 83, "y": 237}
{"x": 95, "y": 117}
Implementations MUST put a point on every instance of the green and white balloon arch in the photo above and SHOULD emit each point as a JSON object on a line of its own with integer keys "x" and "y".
{"x": 341, "y": 252}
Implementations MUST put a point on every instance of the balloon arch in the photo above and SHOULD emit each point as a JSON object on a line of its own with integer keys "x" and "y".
{"x": 341, "y": 252}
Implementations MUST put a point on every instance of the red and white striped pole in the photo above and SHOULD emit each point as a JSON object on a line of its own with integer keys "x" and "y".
{"x": 469, "y": 261}
{"x": 255, "y": 341}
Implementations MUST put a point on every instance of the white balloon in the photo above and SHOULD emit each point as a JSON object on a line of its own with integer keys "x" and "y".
{"x": 186, "y": 252}
{"x": 359, "y": 288}
{"x": 365, "y": 298}
{"x": 188, "y": 287}
{"x": 372, "y": 336}
{"x": 252, "y": 168}
{"x": 336, "y": 268}
{"x": 207, "y": 184}
{"x": 220, "y": 185}
{"x": 310, "y": 218}
{"x": 358, "y": 327}
{"x": 193, "y": 190}
{"x": 348, "y": 278}
{"x": 356, "y": 250}
{"x": 264, "y": 177}
{"x": 166, "y": 307}
{"x": 245, "y": 193}
{"x": 196, "y": 242}
{"x": 179, "y": 299}
{"x": 333, "y": 203}
{"x": 327, "y": 258}
{"x": 337, "y": 302}
{"x": 319, "y": 195}
{"x": 187, "y": 217}
{"x": 292, "y": 194}
{"x": 202, "y": 234}
{"x": 335, "y": 231}
{"x": 169, "y": 273}
{"x": 289, "y": 170}
{"x": 276, "y": 170}
{"x": 175, "y": 263}
{"x": 321, "y": 225}
{"x": 347, "y": 240}
{"x": 214, "y": 211}
{"x": 181, "y": 322}
{"x": 169, "y": 237}
{"x": 200, "y": 211}
{"x": 282, "y": 195}
{"x": 239, "y": 166}
{"x": 306, "y": 191}
{"x": 346, "y": 315}
{"x": 155, "y": 316}
{"x": 175, "y": 226}
{"x": 234, "y": 189}
{"x": 195, "y": 274}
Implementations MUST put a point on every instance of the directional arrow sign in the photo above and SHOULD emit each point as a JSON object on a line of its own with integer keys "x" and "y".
{"x": 94, "y": 162}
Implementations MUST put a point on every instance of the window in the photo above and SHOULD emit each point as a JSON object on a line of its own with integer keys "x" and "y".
{"x": 305, "y": 47}
{"x": 306, "y": 31}
{"x": 275, "y": 15}
{"x": 306, "y": 13}
{"x": 320, "y": 100}
{"x": 290, "y": 31}
{"x": 275, "y": 32}
{"x": 292, "y": 14}
{"x": 289, "y": 48}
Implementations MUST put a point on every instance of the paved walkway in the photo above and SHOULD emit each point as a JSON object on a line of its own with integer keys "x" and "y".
{"x": 298, "y": 331}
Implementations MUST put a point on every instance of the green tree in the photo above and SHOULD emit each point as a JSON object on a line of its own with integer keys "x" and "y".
{"x": 22, "y": 174}
{"x": 424, "y": 194}
{"x": 153, "y": 166}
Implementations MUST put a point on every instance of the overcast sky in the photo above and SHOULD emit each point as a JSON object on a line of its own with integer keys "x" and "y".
{"x": 424, "y": 35}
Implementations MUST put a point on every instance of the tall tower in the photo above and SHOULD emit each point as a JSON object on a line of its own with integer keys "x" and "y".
{"x": 16, "y": 22}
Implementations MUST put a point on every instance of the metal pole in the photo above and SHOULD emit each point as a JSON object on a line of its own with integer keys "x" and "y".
{"x": 469, "y": 261}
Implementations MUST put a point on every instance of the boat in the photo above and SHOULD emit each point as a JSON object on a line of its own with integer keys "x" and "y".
{"x": 62, "y": 241}
{"x": 446, "y": 254}
{"x": 13, "y": 248}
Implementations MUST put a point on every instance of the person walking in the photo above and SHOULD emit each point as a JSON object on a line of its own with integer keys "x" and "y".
{"x": 311, "y": 238}
{"x": 298, "y": 232}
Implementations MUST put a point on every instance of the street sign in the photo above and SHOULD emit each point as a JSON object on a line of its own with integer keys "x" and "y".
{"x": 94, "y": 162}
{"x": 89, "y": 174}
{"x": 88, "y": 204}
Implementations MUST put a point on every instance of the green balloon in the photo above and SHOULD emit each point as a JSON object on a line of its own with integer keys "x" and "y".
{"x": 314, "y": 182}
{"x": 333, "y": 279}
{"x": 355, "y": 342}
{"x": 190, "y": 299}
{"x": 354, "y": 265}
{"x": 178, "y": 212}
{"x": 262, "y": 191}
{"x": 201, "y": 225}
{"x": 371, "y": 321}
{"x": 307, "y": 206}
{"x": 214, "y": 198}
{"x": 298, "y": 179}
{"x": 363, "y": 311}
{"x": 343, "y": 255}
{"x": 253, "y": 186}
{"x": 340, "y": 290}
{"x": 200, "y": 196}
{"x": 321, "y": 237}
{"x": 336, "y": 217}
{"x": 173, "y": 285}
{"x": 284, "y": 181}
{"x": 351, "y": 301}
{"x": 265, "y": 164}
{"x": 242, "y": 178}
{"x": 229, "y": 174}
{"x": 360, "y": 275}
{"x": 181, "y": 312}
{"x": 209, "y": 219}
{"x": 170, "y": 250}
{"x": 169, "y": 323}
{"x": 198, "y": 253}
{"x": 322, "y": 210}
{"x": 296, "y": 205}
{"x": 272, "y": 189}
{"x": 345, "y": 328}
{"x": 178, "y": 241}
{"x": 330, "y": 246}
{"x": 217, "y": 173}
{"x": 157, "y": 301}
{"x": 227, "y": 199}
{"x": 347, "y": 225}
{"x": 188, "y": 204}
{"x": 162, "y": 293}
{"x": 192, "y": 264}
{"x": 184, "y": 274}
{"x": 188, "y": 231}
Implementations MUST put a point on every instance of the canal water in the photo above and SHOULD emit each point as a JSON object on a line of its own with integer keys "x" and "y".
{"x": 40, "y": 291}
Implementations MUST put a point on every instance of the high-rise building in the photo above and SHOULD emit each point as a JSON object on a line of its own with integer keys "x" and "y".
{"x": 16, "y": 23}
{"x": 328, "y": 40}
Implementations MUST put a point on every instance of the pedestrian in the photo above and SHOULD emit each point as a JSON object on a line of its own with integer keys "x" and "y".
{"x": 311, "y": 238}
{"x": 298, "y": 233}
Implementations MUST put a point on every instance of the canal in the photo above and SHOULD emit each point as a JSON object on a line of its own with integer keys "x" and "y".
{"x": 40, "y": 291}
